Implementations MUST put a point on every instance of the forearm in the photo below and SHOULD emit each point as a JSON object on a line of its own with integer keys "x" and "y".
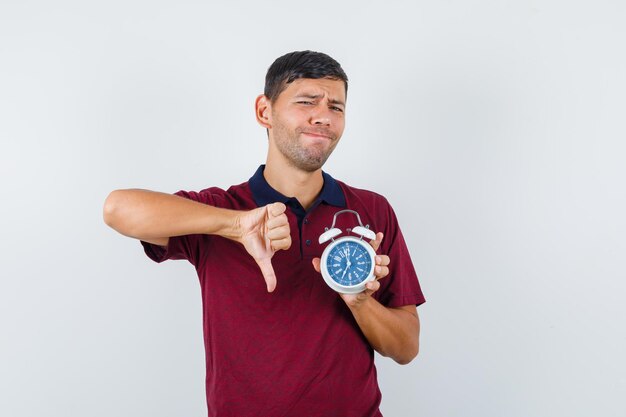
{"x": 145, "y": 214}
{"x": 392, "y": 332}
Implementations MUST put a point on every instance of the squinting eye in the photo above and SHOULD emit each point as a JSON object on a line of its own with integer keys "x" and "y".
{"x": 337, "y": 108}
{"x": 304, "y": 102}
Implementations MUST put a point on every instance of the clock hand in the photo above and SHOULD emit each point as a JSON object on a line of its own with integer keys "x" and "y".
{"x": 345, "y": 270}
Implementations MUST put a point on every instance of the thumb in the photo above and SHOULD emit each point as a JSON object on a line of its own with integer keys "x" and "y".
{"x": 276, "y": 209}
{"x": 268, "y": 273}
{"x": 316, "y": 264}
{"x": 376, "y": 241}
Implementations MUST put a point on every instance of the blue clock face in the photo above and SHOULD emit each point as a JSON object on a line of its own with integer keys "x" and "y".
{"x": 349, "y": 263}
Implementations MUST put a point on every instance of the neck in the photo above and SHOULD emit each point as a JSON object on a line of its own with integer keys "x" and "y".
{"x": 293, "y": 182}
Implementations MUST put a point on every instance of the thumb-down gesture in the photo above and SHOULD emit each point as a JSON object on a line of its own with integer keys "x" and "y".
{"x": 265, "y": 230}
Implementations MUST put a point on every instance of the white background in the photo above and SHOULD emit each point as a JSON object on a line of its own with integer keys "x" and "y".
{"x": 495, "y": 129}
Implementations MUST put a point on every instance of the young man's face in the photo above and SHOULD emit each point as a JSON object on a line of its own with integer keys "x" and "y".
{"x": 307, "y": 121}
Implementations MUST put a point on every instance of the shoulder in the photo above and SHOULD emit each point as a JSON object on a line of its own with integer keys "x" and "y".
{"x": 361, "y": 196}
{"x": 373, "y": 207}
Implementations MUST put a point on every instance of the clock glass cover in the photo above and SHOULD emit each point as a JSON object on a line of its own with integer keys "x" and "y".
{"x": 349, "y": 263}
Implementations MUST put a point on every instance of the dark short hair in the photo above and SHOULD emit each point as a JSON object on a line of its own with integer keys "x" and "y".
{"x": 301, "y": 64}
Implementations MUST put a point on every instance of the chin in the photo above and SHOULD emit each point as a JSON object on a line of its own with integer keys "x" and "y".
{"x": 309, "y": 166}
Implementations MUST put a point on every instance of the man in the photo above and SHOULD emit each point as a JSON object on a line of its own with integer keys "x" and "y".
{"x": 278, "y": 340}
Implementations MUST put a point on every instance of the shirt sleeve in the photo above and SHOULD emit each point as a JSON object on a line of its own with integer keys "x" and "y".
{"x": 187, "y": 247}
{"x": 401, "y": 287}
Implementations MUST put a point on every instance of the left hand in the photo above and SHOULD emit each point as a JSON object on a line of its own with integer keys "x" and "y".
{"x": 381, "y": 270}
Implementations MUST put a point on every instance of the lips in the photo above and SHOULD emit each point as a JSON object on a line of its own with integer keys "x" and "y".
{"x": 324, "y": 135}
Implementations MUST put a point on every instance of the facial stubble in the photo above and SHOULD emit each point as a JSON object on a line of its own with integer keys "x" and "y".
{"x": 290, "y": 144}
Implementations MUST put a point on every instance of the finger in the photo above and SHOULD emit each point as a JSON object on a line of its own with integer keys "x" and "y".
{"x": 281, "y": 244}
{"x": 376, "y": 242}
{"x": 276, "y": 209}
{"x": 277, "y": 221}
{"x": 381, "y": 272}
{"x": 268, "y": 273}
{"x": 280, "y": 232}
{"x": 316, "y": 264}
{"x": 372, "y": 286}
{"x": 382, "y": 260}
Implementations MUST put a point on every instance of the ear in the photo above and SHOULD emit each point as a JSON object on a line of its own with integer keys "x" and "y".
{"x": 263, "y": 111}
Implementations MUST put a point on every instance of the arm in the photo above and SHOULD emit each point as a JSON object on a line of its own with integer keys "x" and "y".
{"x": 155, "y": 217}
{"x": 392, "y": 332}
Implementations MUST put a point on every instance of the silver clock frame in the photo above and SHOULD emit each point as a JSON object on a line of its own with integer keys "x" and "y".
{"x": 330, "y": 234}
{"x": 344, "y": 289}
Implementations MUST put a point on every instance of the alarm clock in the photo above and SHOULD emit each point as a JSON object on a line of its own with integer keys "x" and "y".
{"x": 347, "y": 263}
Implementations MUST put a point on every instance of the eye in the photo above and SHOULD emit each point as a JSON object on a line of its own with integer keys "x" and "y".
{"x": 304, "y": 102}
{"x": 337, "y": 108}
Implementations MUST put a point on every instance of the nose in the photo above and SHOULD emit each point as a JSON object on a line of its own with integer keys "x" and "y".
{"x": 321, "y": 116}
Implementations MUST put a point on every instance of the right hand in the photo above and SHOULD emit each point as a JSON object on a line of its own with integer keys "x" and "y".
{"x": 265, "y": 230}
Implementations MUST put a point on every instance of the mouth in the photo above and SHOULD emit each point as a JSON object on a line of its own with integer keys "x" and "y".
{"x": 317, "y": 135}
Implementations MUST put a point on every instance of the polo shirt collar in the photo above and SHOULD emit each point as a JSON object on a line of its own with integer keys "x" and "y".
{"x": 264, "y": 194}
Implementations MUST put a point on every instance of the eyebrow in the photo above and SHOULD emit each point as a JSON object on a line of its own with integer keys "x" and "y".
{"x": 316, "y": 96}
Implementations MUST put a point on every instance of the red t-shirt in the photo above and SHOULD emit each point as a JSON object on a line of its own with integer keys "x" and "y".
{"x": 297, "y": 351}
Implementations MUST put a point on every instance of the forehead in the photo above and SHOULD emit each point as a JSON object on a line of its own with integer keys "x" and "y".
{"x": 334, "y": 89}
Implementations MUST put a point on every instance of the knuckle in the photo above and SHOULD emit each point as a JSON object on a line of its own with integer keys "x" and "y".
{"x": 279, "y": 208}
